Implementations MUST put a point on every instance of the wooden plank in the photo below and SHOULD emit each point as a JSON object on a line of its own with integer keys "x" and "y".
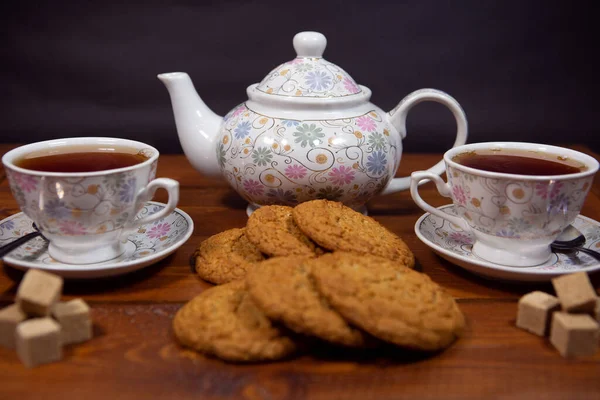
{"x": 172, "y": 279}
{"x": 134, "y": 354}
{"x": 215, "y": 207}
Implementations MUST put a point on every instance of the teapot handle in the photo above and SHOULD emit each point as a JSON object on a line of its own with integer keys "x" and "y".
{"x": 397, "y": 118}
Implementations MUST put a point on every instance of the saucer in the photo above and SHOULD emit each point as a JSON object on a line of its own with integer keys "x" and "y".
{"x": 148, "y": 245}
{"x": 454, "y": 244}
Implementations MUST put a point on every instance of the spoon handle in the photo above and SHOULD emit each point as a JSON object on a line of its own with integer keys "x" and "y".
{"x": 591, "y": 252}
{"x": 16, "y": 243}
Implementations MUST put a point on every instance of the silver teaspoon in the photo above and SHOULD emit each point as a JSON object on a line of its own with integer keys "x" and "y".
{"x": 571, "y": 239}
{"x": 7, "y": 248}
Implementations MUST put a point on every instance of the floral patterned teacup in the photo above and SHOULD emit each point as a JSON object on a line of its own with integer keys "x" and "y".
{"x": 86, "y": 216}
{"x": 513, "y": 217}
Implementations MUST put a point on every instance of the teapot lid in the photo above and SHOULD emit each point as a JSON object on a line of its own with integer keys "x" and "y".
{"x": 309, "y": 74}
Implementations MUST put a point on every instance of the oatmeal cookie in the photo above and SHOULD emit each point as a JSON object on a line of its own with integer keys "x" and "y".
{"x": 337, "y": 227}
{"x": 273, "y": 230}
{"x": 284, "y": 290}
{"x": 398, "y": 305}
{"x": 224, "y": 322}
{"x": 226, "y": 256}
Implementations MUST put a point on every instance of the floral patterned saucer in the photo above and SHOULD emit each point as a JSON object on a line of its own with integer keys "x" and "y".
{"x": 453, "y": 244}
{"x": 148, "y": 245}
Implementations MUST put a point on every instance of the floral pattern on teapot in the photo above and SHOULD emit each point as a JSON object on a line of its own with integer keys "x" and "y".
{"x": 517, "y": 209}
{"x": 309, "y": 77}
{"x": 277, "y": 161}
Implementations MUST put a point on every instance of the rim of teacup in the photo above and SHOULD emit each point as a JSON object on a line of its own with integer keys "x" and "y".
{"x": 589, "y": 161}
{"x": 14, "y": 154}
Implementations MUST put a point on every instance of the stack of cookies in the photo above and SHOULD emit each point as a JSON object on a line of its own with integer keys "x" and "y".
{"x": 319, "y": 271}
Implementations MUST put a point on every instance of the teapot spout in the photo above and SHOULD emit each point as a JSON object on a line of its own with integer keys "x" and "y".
{"x": 197, "y": 125}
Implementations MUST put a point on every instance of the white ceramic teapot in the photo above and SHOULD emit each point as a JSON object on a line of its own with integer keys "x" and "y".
{"x": 306, "y": 131}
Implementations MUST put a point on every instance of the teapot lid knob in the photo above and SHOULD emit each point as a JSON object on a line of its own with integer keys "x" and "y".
{"x": 310, "y": 44}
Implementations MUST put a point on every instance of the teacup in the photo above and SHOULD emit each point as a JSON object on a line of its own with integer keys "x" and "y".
{"x": 514, "y": 216}
{"x": 87, "y": 216}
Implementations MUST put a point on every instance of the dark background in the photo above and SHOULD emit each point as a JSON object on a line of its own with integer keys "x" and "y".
{"x": 522, "y": 70}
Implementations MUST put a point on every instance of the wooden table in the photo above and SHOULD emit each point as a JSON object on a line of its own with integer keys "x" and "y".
{"x": 133, "y": 353}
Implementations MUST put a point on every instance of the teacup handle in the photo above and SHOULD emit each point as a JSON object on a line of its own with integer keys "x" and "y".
{"x": 147, "y": 193}
{"x": 443, "y": 188}
{"x": 397, "y": 118}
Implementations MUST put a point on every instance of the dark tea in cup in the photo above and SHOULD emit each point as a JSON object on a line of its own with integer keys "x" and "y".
{"x": 81, "y": 158}
{"x": 520, "y": 162}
